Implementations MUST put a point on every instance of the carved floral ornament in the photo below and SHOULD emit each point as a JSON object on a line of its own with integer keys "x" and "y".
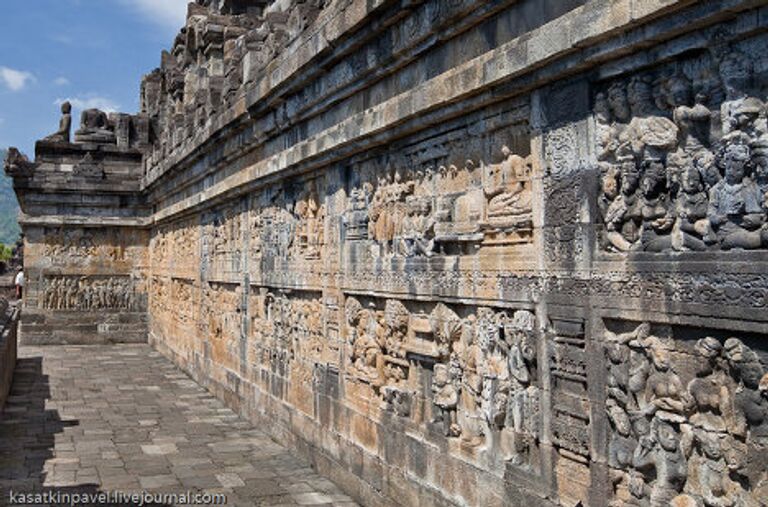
{"x": 683, "y": 158}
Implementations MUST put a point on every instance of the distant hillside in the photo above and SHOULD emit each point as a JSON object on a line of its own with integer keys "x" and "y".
{"x": 9, "y": 209}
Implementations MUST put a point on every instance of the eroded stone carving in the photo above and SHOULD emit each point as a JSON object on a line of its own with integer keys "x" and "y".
{"x": 291, "y": 327}
{"x": 484, "y": 384}
{"x": 291, "y": 227}
{"x": 429, "y": 212}
{"x": 88, "y": 293}
{"x": 675, "y": 176}
{"x": 17, "y": 164}
{"x": 678, "y": 441}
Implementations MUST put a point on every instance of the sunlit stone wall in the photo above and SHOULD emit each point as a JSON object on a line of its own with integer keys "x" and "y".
{"x": 473, "y": 253}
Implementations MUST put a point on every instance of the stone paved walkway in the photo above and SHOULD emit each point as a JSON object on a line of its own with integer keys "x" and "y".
{"x": 123, "y": 418}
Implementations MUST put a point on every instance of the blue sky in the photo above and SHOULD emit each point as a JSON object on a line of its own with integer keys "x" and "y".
{"x": 91, "y": 52}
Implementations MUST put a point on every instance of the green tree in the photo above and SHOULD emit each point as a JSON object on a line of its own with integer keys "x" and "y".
{"x": 9, "y": 209}
{"x": 6, "y": 253}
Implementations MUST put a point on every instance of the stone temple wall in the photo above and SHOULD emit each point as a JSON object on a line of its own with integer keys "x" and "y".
{"x": 9, "y": 320}
{"x": 472, "y": 253}
{"x": 85, "y": 243}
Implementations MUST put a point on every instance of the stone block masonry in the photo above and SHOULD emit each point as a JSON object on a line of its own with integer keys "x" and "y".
{"x": 9, "y": 320}
{"x": 453, "y": 252}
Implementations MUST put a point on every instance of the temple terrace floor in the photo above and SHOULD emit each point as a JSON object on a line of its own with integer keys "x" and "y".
{"x": 123, "y": 418}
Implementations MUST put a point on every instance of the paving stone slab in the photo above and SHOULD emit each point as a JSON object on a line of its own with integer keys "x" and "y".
{"x": 109, "y": 418}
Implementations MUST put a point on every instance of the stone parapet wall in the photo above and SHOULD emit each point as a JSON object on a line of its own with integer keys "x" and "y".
{"x": 464, "y": 253}
{"x": 409, "y": 270}
{"x": 9, "y": 319}
{"x": 85, "y": 236}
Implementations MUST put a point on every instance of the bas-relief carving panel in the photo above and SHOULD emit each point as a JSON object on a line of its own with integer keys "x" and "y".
{"x": 287, "y": 229}
{"x": 90, "y": 293}
{"x": 291, "y": 334}
{"x": 683, "y": 154}
{"x": 458, "y": 194}
{"x": 85, "y": 247}
{"x": 688, "y": 412}
{"x": 467, "y": 374}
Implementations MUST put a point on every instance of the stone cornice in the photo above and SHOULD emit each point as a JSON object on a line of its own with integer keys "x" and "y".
{"x": 83, "y": 221}
{"x": 583, "y": 34}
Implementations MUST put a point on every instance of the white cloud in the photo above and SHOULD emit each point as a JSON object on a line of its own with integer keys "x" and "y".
{"x": 91, "y": 102}
{"x": 62, "y": 39}
{"x": 15, "y": 80}
{"x": 61, "y": 81}
{"x": 171, "y": 13}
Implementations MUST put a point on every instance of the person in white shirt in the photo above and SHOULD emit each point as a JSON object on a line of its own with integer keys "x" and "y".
{"x": 19, "y": 283}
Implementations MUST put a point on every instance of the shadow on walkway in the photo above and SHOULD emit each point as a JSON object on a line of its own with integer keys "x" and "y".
{"x": 27, "y": 441}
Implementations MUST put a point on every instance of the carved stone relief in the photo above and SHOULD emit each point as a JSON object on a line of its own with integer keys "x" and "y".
{"x": 682, "y": 157}
{"x": 293, "y": 326}
{"x": 484, "y": 390}
{"x": 687, "y": 418}
{"x": 89, "y": 293}
{"x": 222, "y": 313}
{"x": 289, "y": 226}
{"x": 445, "y": 209}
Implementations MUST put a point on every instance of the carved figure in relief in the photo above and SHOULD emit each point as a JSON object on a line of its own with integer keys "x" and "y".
{"x": 396, "y": 327}
{"x": 692, "y": 230}
{"x": 664, "y": 390}
{"x": 523, "y": 405}
{"x": 744, "y": 121}
{"x": 445, "y": 399}
{"x": 623, "y": 216}
{"x": 65, "y": 125}
{"x": 520, "y": 357}
{"x": 749, "y": 399}
{"x": 447, "y": 328}
{"x": 470, "y": 358}
{"x": 649, "y": 134}
{"x": 310, "y": 226}
{"x": 492, "y": 367}
{"x": 735, "y": 204}
{"x": 609, "y": 186}
{"x": 660, "y": 456}
{"x": 418, "y": 235}
{"x": 710, "y": 478}
{"x": 618, "y": 103}
{"x": 356, "y": 217}
{"x": 656, "y": 209}
{"x": 366, "y": 356}
{"x": 694, "y": 121}
{"x": 509, "y": 197}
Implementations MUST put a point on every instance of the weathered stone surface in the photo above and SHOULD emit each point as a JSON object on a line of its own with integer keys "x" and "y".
{"x": 74, "y": 418}
{"x": 474, "y": 253}
{"x": 9, "y": 321}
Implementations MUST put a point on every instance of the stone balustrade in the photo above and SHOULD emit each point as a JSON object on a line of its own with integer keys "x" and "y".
{"x": 9, "y": 318}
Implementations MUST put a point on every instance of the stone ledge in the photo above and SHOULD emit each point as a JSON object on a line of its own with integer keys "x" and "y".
{"x": 85, "y": 221}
